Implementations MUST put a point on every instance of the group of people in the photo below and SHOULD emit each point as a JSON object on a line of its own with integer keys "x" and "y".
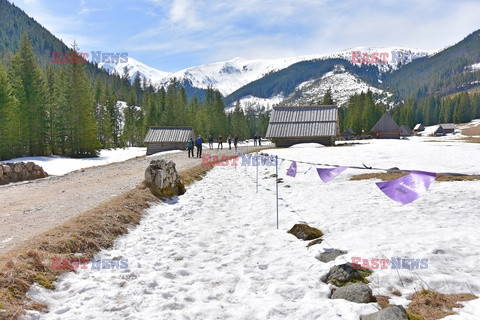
{"x": 198, "y": 143}
{"x": 229, "y": 141}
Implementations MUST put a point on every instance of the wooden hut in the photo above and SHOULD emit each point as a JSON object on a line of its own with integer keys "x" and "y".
{"x": 386, "y": 128}
{"x": 418, "y": 128}
{"x": 349, "y": 134}
{"x": 438, "y": 131}
{"x": 167, "y": 138}
{"x": 448, "y": 127}
{"x": 405, "y": 131}
{"x": 304, "y": 124}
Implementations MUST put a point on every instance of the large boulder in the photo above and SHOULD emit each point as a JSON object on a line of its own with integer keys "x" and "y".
{"x": 305, "y": 232}
{"x": 162, "y": 179}
{"x": 354, "y": 292}
{"x": 391, "y": 313}
{"x": 330, "y": 255}
{"x": 345, "y": 273}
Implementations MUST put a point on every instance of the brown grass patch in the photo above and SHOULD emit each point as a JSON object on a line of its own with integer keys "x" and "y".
{"x": 383, "y": 301}
{"x": 432, "y": 305}
{"x": 473, "y": 131}
{"x": 384, "y": 176}
{"x": 86, "y": 234}
{"x": 471, "y": 139}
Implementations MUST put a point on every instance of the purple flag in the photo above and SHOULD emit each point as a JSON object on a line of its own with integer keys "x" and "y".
{"x": 328, "y": 175}
{"x": 408, "y": 188}
{"x": 292, "y": 171}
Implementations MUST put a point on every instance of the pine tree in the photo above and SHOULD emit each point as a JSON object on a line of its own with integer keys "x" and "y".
{"x": 327, "y": 98}
{"x": 83, "y": 135}
{"x": 29, "y": 88}
{"x": 9, "y": 118}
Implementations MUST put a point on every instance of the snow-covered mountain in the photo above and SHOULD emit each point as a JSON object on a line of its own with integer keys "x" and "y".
{"x": 229, "y": 76}
{"x": 134, "y": 66}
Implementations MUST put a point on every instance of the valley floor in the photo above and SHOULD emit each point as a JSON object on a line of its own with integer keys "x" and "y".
{"x": 215, "y": 252}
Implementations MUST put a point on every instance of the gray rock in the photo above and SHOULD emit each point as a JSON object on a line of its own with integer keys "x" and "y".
{"x": 162, "y": 178}
{"x": 344, "y": 273}
{"x": 354, "y": 292}
{"x": 391, "y": 313}
{"x": 330, "y": 255}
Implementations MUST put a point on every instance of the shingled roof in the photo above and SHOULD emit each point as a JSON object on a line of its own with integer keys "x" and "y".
{"x": 303, "y": 121}
{"x": 169, "y": 134}
{"x": 386, "y": 124}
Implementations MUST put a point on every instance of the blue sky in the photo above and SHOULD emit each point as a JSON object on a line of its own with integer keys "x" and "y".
{"x": 174, "y": 34}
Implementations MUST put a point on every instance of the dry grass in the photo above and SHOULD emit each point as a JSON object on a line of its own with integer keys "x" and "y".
{"x": 474, "y": 131}
{"x": 471, "y": 139}
{"x": 432, "y": 305}
{"x": 383, "y": 301}
{"x": 86, "y": 234}
{"x": 384, "y": 176}
{"x": 193, "y": 174}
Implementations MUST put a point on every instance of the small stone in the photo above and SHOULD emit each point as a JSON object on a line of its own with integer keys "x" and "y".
{"x": 391, "y": 313}
{"x": 354, "y": 292}
{"x": 330, "y": 255}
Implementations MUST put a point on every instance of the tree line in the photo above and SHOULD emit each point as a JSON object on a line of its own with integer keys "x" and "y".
{"x": 59, "y": 110}
{"x": 361, "y": 113}
{"x": 458, "y": 108}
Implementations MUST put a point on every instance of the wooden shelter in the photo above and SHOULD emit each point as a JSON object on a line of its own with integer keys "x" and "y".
{"x": 418, "y": 128}
{"x": 386, "y": 128}
{"x": 405, "y": 131}
{"x": 303, "y": 124}
{"x": 438, "y": 131}
{"x": 167, "y": 138}
{"x": 448, "y": 127}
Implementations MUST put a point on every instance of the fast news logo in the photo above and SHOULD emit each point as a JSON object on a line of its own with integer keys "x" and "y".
{"x": 396, "y": 263}
{"x": 97, "y": 263}
{"x": 96, "y": 57}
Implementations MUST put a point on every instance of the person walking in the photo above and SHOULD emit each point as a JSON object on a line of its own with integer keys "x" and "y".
{"x": 220, "y": 142}
{"x": 235, "y": 141}
{"x": 210, "y": 142}
{"x": 259, "y": 140}
{"x": 190, "y": 147}
{"x": 229, "y": 140}
{"x": 199, "y": 143}
{"x": 255, "y": 140}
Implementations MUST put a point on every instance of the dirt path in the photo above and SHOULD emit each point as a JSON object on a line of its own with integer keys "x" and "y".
{"x": 29, "y": 209}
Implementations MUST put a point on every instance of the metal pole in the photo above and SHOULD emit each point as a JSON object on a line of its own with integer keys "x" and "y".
{"x": 276, "y": 183}
{"x": 257, "y": 172}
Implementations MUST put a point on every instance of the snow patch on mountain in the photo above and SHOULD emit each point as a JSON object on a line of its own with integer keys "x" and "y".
{"x": 474, "y": 67}
{"x": 258, "y": 103}
{"x": 342, "y": 83}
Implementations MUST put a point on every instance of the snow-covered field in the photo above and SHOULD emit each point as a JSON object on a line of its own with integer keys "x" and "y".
{"x": 215, "y": 252}
{"x": 57, "y": 166}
